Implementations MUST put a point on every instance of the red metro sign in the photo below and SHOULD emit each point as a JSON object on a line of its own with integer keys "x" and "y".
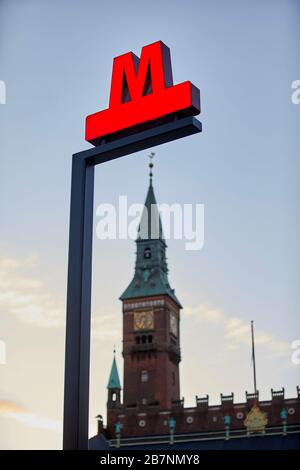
{"x": 142, "y": 96}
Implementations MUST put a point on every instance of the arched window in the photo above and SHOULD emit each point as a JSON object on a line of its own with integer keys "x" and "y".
{"x": 147, "y": 253}
{"x": 150, "y": 338}
{"x": 144, "y": 339}
{"x": 144, "y": 376}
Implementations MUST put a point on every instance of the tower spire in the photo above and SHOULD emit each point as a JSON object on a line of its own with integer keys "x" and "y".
{"x": 151, "y": 270}
{"x": 114, "y": 381}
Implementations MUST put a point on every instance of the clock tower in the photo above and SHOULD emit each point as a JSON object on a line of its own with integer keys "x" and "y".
{"x": 151, "y": 320}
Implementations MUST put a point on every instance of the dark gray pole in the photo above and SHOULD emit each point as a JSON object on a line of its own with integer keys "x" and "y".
{"x": 77, "y": 355}
{"x": 253, "y": 357}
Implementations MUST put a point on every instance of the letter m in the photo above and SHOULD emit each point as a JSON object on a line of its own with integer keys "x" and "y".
{"x": 133, "y": 78}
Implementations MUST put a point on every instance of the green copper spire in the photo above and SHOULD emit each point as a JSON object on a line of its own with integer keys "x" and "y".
{"x": 151, "y": 270}
{"x": 114, "y": 381}
{"x": 150, "y": 225}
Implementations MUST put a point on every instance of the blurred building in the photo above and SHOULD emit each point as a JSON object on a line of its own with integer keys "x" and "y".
{"x": 150, "y": 413}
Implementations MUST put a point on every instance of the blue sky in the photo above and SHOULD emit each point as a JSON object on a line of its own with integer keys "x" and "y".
{"x": 56, "y": 59}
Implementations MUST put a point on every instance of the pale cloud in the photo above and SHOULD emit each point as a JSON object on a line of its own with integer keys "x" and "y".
{"x": 34, "y": 421}
{"x": 107, "y": 326}
{"x": 13, "y": 263}
{"x": 17, "y": 412}
{"x": 204, "y": 312}
{"x": 31, "y": 302}
{"x": 236, "y": 330}
{"x": 8, "y": 406}
{"x": 26, "y": 297}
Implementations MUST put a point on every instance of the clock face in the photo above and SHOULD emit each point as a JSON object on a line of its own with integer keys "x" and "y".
{"x": 143, "y": 320}
{"x": 173, "y": 324}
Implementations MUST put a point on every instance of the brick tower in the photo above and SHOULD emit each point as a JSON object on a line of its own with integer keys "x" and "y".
{"x": 151, "y": 314}
{"x": 151, "y": 319}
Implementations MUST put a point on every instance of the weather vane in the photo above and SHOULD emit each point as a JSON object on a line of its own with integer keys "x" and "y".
{"x": 151, "y": 156}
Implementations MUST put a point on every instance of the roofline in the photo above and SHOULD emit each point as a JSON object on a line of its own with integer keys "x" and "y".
{"x": 150, "y": 297}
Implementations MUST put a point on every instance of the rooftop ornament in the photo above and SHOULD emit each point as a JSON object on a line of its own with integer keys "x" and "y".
{"x": 256, "y": 421}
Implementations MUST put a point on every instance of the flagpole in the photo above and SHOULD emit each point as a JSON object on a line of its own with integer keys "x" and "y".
{"x": 253, "y": 357}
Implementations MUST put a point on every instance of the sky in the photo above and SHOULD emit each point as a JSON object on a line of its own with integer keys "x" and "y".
{"x": 56, "y": 59}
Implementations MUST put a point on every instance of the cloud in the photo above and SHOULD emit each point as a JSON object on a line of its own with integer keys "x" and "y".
{"x": 237, "y": 331}
{"x": 7, "y": 406}
{"x": 25, "y": 296}
{"x": 107, "y": 326}
{"x": 204, "y": 312}
{"x": 34, "y": 421}
{"x": 15, "y": 411}
{"x": 31, "y": 302}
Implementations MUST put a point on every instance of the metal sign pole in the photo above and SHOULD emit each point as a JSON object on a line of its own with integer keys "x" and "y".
{"x": 77, "y": 352}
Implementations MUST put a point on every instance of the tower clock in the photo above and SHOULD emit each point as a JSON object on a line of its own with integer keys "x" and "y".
{"x": 143, "y": 320}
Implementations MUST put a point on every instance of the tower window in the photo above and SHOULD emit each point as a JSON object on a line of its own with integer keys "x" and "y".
{"x": 144, "y": 376}
{"x": 147, "y": 253}
{"x": 114, "y": 397}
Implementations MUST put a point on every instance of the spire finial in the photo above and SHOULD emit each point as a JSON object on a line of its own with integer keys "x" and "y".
{"x": 114, "y": 351}
{"x": 151, "y": 156}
